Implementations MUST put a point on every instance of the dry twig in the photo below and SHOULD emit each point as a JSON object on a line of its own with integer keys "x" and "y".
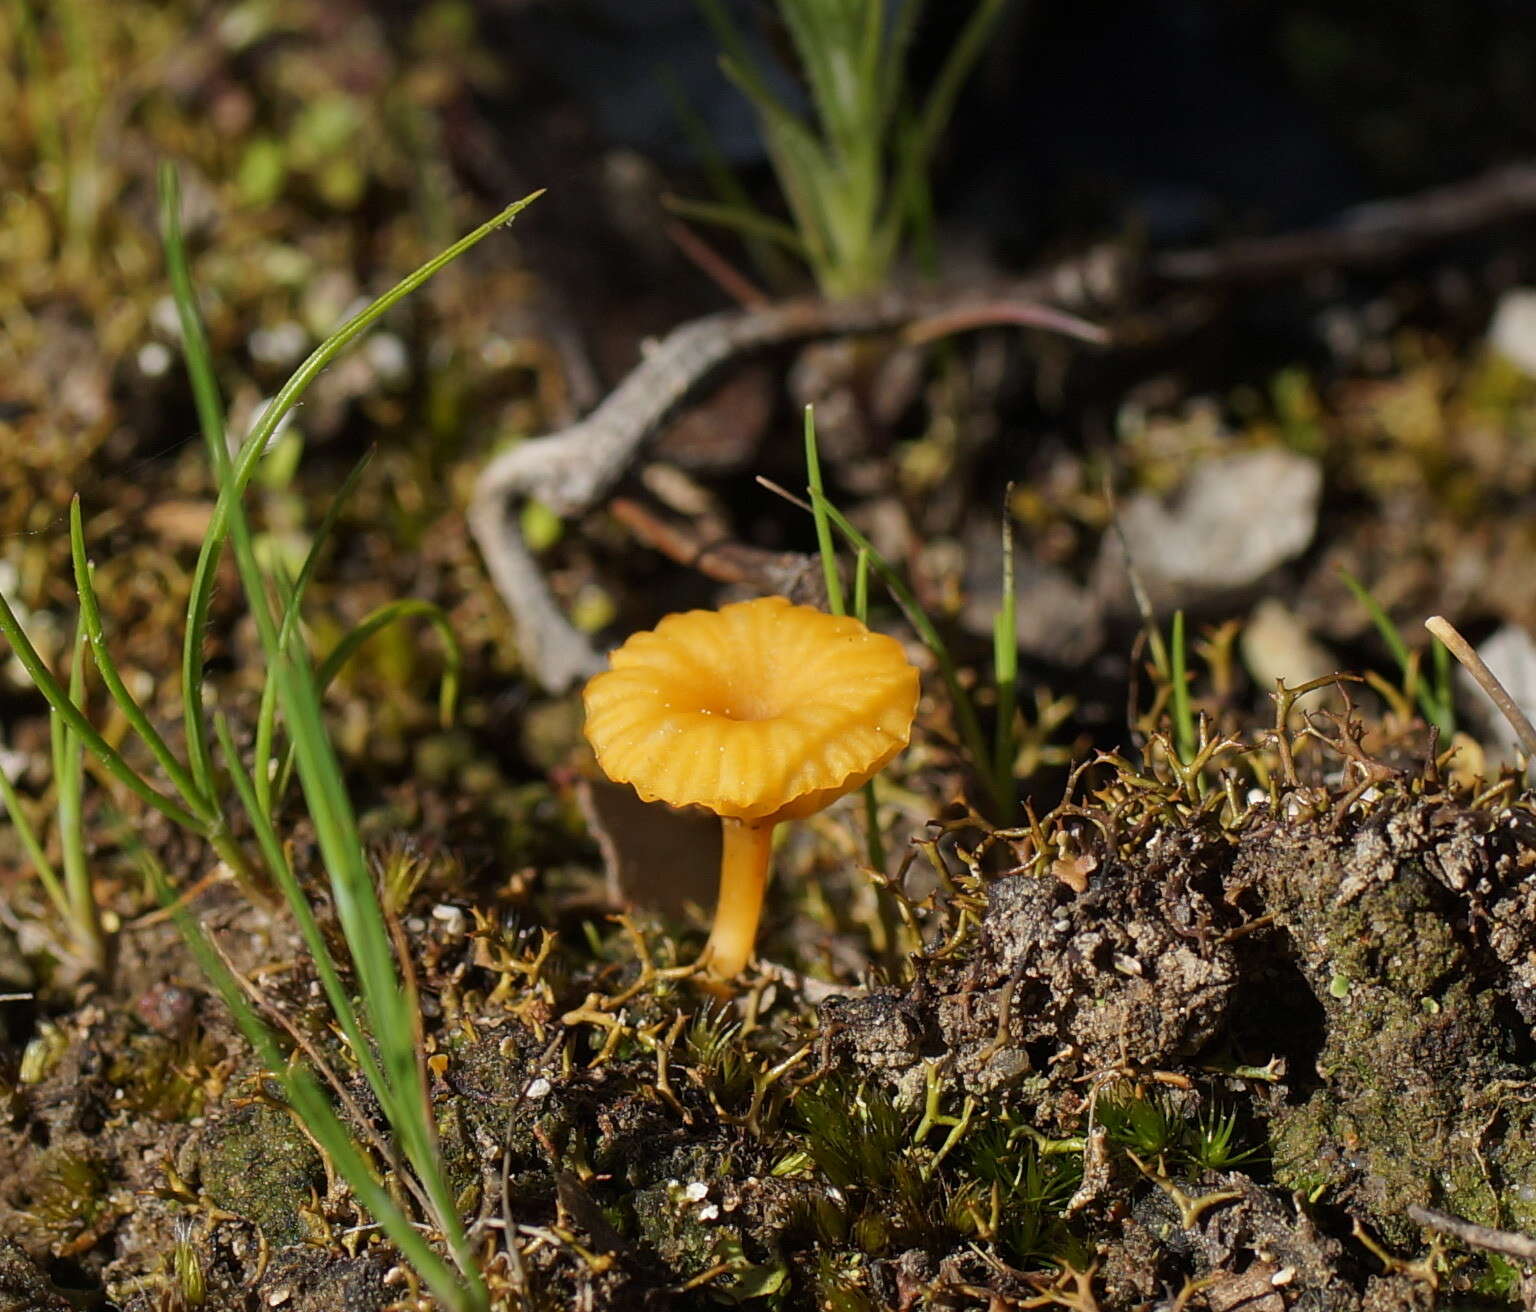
{"x": 569, "y": 470}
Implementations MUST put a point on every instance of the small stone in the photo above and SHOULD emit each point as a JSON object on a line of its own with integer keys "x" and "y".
{"x": 1235, "y": 518}
{"x": 1276, "y": 645}
{"x": 1510, "y": 654}
{"x": 1513, "y": 330}
{"x": 451, "y": 918}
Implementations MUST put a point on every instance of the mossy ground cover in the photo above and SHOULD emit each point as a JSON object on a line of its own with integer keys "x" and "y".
{"x": 1163, "y": 1037}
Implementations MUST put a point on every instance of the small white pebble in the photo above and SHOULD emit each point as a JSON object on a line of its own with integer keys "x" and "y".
{"x": 708, "y": 1212}
{"x": 278, "y": 1297}
{"x": 165, "y": 317}
{"x": 279, "y": 345}
{"x": 539, "y": 1089}
{"x": 388, "y": 356}
{"x": 450, "y": 917}
{"x": 696, "y": 1191}
{"x": 496, "y": 353}
{"x": 154, "y": 359}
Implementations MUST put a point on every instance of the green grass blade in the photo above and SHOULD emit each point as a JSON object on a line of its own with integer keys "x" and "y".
{"x": 738, "y": 58}
{"x": 310, "y": 1102}
{"x": 303, "y": 914}
{"x": 210, "y": 414}
{"x": 917, "y": 617}
{"x": 1183, "y": 711}
{"x": 46, "y": 874}
{"x": 389, "y": 613}
{"x": 874, "y": 842}
{"x": 59, "y": 702}
{"x": 730, "y": 192}
{"x": 262, "y": 762}
{"x": 387, "y": 1003}
{"x": 945, "y": 91}
{"x": 749, "y": 223}
{"x": 819, "y": 502}
{"x": 203, "y": 804}
{"x": 1430, "y": 706}
{"x": 69, "y": 785}
{"x": 1005, "y": 671}
{"x": 388, "y": 1007}
{"x": 235, "y": 475}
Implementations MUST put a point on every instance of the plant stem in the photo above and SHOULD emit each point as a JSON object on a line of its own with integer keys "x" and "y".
{"x": 745, "y": 852}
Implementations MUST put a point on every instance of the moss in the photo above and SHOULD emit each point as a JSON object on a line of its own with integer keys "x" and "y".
{"x": 159, "y": 1078}
{"x": 674, "y": 1219}
{"x": 23, "y": 1287}
{"x": 257, "y": 1164}
{"x": 68, "y": 1191}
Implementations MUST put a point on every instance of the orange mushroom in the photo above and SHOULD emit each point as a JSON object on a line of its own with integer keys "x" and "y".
{"x": 760, "y": 711}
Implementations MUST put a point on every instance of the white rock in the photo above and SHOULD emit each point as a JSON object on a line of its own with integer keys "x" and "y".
{"x": 1235, "y": 518}
{"x": 1511, "y": 654}
{"x": 1513, "y": 331}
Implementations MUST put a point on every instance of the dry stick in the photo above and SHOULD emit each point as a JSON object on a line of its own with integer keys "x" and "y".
{"x": 716, "y": 267}
{"x": 1372, "y": 234}
{"x": 793, "y": 573}
{"x": 1473, "y": 663}
{"x": 1510, "y": 1243}
{"x": 568, "y": 471}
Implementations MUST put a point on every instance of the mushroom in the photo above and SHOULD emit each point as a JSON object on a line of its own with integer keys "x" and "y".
{"x": 760, "y": 711}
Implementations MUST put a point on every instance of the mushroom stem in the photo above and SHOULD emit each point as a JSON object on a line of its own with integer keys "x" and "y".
{"x": 745, "y": 851}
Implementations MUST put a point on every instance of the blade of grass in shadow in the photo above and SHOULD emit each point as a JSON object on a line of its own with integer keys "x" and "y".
{"x": 746, "y": 222}
{"x": 729, "y": 190}
{"x": 939, "y": 106}
{"x": 1005, "y": 672}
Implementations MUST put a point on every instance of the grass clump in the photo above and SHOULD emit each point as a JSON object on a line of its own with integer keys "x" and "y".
{"x": 392, "y": 1172}
{"x": 854, "y": 172}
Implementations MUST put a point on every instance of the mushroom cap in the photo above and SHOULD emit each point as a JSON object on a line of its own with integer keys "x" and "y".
{"x": 762, "y": 710}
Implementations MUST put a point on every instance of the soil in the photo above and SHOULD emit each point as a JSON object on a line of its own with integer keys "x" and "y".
{"x": 1159, "y": 1036}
